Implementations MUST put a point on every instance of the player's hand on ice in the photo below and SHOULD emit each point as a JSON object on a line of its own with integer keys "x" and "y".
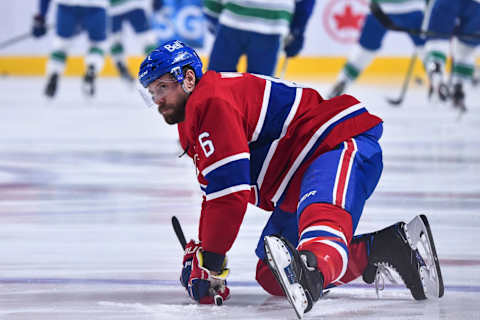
{"x": 203, "y": 285}
{"x": 294, "y": 43}
{"x": 39, "y": 28}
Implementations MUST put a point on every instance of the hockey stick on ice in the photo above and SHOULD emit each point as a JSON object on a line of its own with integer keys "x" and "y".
{"x": 181, "y": 238}
{"x": 413, "y": 59}
{"x": 389, "y": 24}
{"x": 16, "y": 39}
{"x": 283, "y": 72}
{"x": 406, "y": 81}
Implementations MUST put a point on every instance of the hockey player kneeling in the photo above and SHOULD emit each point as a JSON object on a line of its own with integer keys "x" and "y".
{"x": 311, "y": 162}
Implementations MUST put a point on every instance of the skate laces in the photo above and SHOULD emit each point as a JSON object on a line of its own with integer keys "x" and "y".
{"x": 382, "y": 273}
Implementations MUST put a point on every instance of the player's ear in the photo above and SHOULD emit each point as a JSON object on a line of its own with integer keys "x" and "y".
{"x": 189, "y": 80}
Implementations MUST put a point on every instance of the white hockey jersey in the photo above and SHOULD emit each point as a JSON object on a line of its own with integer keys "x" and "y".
{"x": 401, "y": 6}
{"x": 121, "y": 6}
{"x": 263, "y": 16}
{"x": 84, "y": 3}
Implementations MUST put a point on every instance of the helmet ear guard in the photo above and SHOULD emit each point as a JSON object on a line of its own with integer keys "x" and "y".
{"x": 170, "y": 57}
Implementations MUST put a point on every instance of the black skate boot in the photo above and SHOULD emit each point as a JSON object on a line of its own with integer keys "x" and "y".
{"x": 124, "y": 74}
{"x": 437, "y": 87}
{"x": 458, "y": 98}
{"x": 408, "y": 249}
{"x": 296, "y": 272}
{"x": 89, "y": 81}
{"x": 52, "y": 84}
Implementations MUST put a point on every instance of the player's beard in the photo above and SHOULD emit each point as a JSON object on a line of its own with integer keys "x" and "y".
{"x": 175, "y": 112}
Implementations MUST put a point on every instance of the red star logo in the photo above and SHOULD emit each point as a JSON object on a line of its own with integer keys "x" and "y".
{"x": 348, "y": 19}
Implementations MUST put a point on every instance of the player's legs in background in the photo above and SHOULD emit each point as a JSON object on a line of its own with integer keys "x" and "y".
{"x": 227, "y": 48}
{"x": 66, "y": 27}
{"x": 462, "y": 72}
{"x": 262, "y": 53}
{"x": 142, "y": 28}
{"x": 95, "y": 23}
{"x": 442, "y": 20}
{"x": 141, "y": 25}
{"x": 117, "y": 49}
{"x": 362, "y": 55}
{"x": 463, "y": 52}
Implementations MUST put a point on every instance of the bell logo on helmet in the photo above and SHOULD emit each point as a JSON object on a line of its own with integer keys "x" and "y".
{"x": 170, "y": 57}
{"x": 174, "y": 46}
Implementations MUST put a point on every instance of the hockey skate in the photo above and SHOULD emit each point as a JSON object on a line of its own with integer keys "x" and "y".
{"x": 52, "y": 84}
{"x": 124, "y": 74}
{"x": 437, "y": 89}
{"x": 88, "y": 85}
{"x": 458, "y": 98}
{"x": 296, "y": 272}
{"x": 408, "y": 249}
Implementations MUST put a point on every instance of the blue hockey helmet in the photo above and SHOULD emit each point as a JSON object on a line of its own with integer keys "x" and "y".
{"x": 170, "y": 57}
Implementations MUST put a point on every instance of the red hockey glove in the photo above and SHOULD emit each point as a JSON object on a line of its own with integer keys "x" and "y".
{"x": 203, "y": 285}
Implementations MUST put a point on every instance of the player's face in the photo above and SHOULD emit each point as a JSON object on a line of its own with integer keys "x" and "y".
{"x": 170, "y": 98}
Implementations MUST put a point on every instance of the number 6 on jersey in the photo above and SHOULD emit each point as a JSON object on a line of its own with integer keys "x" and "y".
{"x": 207, "y": 145}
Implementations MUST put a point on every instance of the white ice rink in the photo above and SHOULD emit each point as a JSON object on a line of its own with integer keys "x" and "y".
{"x": 88, "y": 187}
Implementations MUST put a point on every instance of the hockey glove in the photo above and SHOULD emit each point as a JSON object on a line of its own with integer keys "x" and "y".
{"x": 203, "y": 285}
{"x": 294, "y": 43}
{"x": 39, "y": 29}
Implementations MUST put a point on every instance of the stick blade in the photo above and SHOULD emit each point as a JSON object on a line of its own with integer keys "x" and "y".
{"x": 394, "y": 102}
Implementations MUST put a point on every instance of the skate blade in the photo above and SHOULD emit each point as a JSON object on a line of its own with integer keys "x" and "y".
{"x": 420, "y": 238}
{"x": 279, "y": 260}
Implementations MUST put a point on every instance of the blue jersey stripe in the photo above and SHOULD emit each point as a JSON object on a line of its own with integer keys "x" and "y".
{"x": 231, "y": 174}
{"x": 281, "y": 101}
{"x": 319, "y": 233}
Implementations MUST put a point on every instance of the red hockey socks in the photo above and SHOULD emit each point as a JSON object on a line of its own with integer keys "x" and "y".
{"x": 326, "y": 231}
{"x": 267, "y": 280}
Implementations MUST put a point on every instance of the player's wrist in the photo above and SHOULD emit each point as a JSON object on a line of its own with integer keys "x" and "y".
{"x": 213, "y": 261}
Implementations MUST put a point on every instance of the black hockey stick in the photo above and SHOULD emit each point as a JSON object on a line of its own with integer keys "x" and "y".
{"x": 181, "y": 238}
{"x": 385, "y": 20}
{"x": 179, "y": 232}
{"x": 425, "y": 21}
{"x": 14, "y": 40}
{"x": 19, "y": 38}
{"x": 406, "y": 81}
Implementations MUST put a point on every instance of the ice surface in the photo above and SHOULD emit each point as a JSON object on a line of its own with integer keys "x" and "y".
{"x": 87, "y": 189}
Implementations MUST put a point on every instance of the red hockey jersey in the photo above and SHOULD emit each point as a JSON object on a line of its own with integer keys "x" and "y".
{"x": 251, "y": 138}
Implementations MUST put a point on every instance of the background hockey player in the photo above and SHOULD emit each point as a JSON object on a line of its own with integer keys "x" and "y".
{"x": 256, "y": 28}
{"x": 463, "y": 17}
{"x": 73, "y": 16}
{"x": 311, "y": 162}
{"x": 406, "y": 13}
{"x": 135, "y": 12}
